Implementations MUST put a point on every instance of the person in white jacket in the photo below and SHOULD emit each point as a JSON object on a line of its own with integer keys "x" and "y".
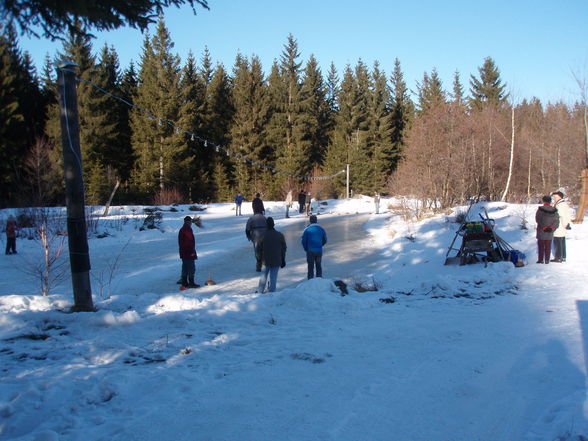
{"x": 288, "y": 203}
{"x": 565, "y": 218}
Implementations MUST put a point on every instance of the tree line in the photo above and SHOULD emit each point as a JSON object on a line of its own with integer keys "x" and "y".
{"x": 442, "y": 146}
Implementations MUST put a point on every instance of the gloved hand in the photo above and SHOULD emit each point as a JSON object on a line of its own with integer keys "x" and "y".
{"x": 283, "y": 264}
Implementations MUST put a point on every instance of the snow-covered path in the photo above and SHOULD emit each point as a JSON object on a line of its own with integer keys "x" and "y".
{"x": 459, "y": 353}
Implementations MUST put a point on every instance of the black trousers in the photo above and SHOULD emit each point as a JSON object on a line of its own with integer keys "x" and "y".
{"x": 10, "y": 245}
{"x": 314, "y": 260}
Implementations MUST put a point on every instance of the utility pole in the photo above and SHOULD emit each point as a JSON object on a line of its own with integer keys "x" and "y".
{"x": 347, "y": 197}
{"x": 79, "y": 256}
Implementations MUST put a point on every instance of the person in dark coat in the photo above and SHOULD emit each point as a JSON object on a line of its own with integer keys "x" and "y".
{"x": 547, "y": 220}
{"x": 187, "y": 245}
{"x": 301, "y": 201}
{"x": 11, "y": 235}
{"x": 273, "y": 251}
{"x": 238, "y": 201}
{"x": 313, "y": 240}
{"x": 257, "y": 205}
{"x": 254, "y": 230}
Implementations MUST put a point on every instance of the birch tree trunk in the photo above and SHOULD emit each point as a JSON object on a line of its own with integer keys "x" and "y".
{"x": 107, "y": 207}
{"x": 512, "y": 140}
{"x": 529, "y": 173}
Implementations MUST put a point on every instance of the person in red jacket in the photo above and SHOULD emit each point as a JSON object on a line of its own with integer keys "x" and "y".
{"x": 188, "y": 255}
{"x": 11, "y": 236}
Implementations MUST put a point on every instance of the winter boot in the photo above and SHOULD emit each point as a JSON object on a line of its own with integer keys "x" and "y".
{"x": 191, "y": 283}
{"x": 184, "y": 283}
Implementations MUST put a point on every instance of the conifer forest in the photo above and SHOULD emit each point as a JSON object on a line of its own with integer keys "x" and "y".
{"x": 166, "y": 130}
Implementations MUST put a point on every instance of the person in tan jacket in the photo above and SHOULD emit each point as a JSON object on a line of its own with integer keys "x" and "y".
{"x": 559, "y": 235}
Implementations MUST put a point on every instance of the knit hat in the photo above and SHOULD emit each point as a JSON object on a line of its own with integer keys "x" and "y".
{"x": 187, "y": 219}
{"x": 270, "y": 222}
{"x": 313, "y": 219}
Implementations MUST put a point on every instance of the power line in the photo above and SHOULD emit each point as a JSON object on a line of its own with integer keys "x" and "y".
{"x": 217, "y": 147}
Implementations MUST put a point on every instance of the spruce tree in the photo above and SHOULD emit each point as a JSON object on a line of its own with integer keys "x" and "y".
{"x": 401, "y": 113}
{"x": 350, "y": 135}
{"x": 104, "y": 150}
{"x": 380, "y": 129}
{"x": 286, "y": 132}
{"x": 488, "y": 88}
{"x": 12, "y": 119}
{"x": 248, "y": 135}
{"x": 316, "y": 118}
{"x": 333, "y": 89}
{"x": 430, "y": 91}
{"x": 127, "y": 91}
{"x": 195, "y": 170}
{"x": 160, "y": 149}
{"x": 457, "y": 94}
{"x": 21, "y": 114}
{"x": 220, "y": 116}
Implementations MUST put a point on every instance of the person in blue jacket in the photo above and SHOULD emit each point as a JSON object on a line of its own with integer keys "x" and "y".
{"x": 313, "y": 240}
{"x": 238, "y": 201}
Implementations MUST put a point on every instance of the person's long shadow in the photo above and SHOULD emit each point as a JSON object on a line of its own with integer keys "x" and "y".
{"x": 552, "y": 389}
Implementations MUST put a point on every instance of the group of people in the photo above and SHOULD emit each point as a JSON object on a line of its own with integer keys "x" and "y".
{"x": 553, "y": 219}
{"x": 304, "y": 203}
{"x": 269, "y": 246}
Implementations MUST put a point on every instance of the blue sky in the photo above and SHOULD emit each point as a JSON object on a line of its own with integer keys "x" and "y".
{"x": 535, "y": 44}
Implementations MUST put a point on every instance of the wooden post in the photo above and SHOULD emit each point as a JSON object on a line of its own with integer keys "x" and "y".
{"x": 583, "y": 205}
{"x": 79, "y": 256}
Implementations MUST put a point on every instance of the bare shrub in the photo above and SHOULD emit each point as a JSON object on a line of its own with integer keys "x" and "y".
{"x": 523, "y": 212}
{"x": 50, "y": 234}
{"x": 366, "y": 285}
{"x": 168, "y": 196}
{"x": 105, "y": 277}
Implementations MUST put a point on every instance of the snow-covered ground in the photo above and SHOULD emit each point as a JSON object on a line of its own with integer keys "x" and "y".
{"x": 437, "y": 353}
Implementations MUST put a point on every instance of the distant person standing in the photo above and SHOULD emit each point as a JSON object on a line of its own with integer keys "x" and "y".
{"x": 255, "y": 230}
{"x": 559, "y": 235}
{"x": 301, "y": 201}
{"x": 238, "y": 201}
{"x": 257, "y": 205}
{"x": 11, "y": 235}
{"x": 547, "y": 222}
{"x": 273, "y": 252}
{"x": 288, "y": 203}
{"x": 313, "y": 239}
{"x": 187, "y": 245}
{"x": 377, "y": 201}
{"x": 308, "y": 203}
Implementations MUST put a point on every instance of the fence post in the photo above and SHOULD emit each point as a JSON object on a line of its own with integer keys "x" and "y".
{"x": 74, "y": 188}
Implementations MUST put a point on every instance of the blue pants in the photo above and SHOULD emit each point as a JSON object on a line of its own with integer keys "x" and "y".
{"x": 314, "y": 259}
{"x": 559, "y": 245}
{"x": 273, "y": 278}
